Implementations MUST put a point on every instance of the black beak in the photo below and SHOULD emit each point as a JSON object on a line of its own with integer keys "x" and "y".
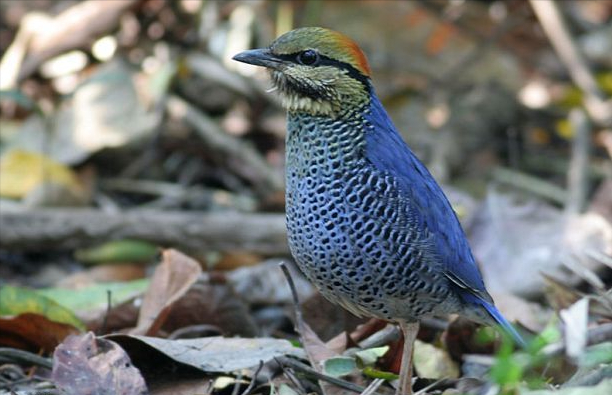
{"x": 259, "y": 57}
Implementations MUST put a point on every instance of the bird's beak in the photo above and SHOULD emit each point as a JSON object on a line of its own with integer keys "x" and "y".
{"x": 259, "y": 57}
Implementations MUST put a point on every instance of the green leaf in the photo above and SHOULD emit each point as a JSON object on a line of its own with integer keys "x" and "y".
{"x": 95, "y": 296}
{"x": 118, "y": 251}
{"x": 597, "y": 354}
{"x": 16, "y": 300}
{"x": 369, "y": 356}
{"x": 339, "y": 366}
{"x": 379, "y": 374}
{"x": 284, "y": 389}
{"x": 507, "y": 371}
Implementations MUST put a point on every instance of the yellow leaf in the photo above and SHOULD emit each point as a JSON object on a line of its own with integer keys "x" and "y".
{"x": 432, "y": 362}
{"x": 16, "y": 300}
{"x": 22, "y": 171}
{"x": 564, "y": 129}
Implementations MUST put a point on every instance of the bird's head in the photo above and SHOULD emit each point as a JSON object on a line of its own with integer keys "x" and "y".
{"x": 316, "y": 71}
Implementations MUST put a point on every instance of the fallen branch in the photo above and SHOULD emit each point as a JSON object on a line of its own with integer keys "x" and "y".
{"x": 196, "y": 232}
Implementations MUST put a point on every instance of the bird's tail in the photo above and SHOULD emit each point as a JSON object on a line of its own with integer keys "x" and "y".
{"x": 496, "y": 316}
{"x": 503, "y": 323}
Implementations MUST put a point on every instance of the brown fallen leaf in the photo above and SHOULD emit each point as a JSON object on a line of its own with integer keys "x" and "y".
{"x": 119, "y": 318}
{"x": 459, "y": 339}
{"x": 86, "y": 365}
{"x": 234, "y": 260}
{"x": 328, "y": 319}
{"x": 211, "y": 301}
{"x": 172, "y": 279}
{"x": 559, "y": 294}
{"x": 33, "y": 332}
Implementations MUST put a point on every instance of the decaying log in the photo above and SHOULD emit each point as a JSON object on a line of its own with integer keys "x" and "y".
{"x": 197, "y": 232}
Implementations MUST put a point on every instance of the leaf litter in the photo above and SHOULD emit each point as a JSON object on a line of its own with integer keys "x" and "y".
{"x": 136, "y": 132}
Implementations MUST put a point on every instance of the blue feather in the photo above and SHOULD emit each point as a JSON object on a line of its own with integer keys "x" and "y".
{"x": 497, "y": 316}
{"x": 386, "y": 150}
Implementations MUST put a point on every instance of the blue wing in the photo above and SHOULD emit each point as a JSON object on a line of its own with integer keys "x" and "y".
{"x": 386, "y": 150}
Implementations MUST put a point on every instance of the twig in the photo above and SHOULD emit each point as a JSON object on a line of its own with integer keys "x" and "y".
{"x": 384, "y": 336}
{"x": 299, "y": 318}
{"x": 289, "y": 374}
{"x": 248, "y": 390}
{"x": 530, "y": 184}
{"x": 307, "y": 370}
{"x": 237, "y": 384}
{"x": 218, "y": 197}
{"x": 583, "y": 272}
{"x": 578, "y": 173}
{"x": 371, "y": 389}
{"x": 599, "y": 256}
{"x": 424, "y": 390}
{"x": 301, "y": 329}
{"x": 191, "y": 331}
{"x": 21, "y": 356}
{"x": 391, "y": 333}
{"x": 554, "y": 26}
{"x": 109, "y": 305}
{"x": 560, "y": 166}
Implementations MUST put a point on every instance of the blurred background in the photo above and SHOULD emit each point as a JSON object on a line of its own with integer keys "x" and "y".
{"x": 125, "y": 127}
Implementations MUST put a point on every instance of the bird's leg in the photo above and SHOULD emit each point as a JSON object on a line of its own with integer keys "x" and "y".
{"x": 410, "y": 331}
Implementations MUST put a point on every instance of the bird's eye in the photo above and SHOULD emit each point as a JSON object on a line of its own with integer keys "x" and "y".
{"x": 308, "y": 57}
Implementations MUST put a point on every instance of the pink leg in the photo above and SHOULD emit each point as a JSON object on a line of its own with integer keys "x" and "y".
{"x": 410, "y": 331}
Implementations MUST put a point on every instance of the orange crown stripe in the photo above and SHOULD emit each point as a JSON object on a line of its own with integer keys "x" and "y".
{"x": 357, "y": 56}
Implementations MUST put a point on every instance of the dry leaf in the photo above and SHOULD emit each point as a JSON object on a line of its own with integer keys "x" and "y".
{"x": 214, "y": 303}
{"x": 171, "y": 280}
{"x": 432, "y": 362}
{"x": 86, "y": 365}
{"x": 211, "y": 354}
{"x": 33, "y": 332}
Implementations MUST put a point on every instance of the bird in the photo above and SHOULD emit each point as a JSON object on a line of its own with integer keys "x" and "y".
{"x": 367, "y": 223}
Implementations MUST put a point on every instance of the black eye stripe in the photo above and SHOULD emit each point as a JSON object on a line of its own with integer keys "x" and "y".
{"x": 327, "y": 61}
